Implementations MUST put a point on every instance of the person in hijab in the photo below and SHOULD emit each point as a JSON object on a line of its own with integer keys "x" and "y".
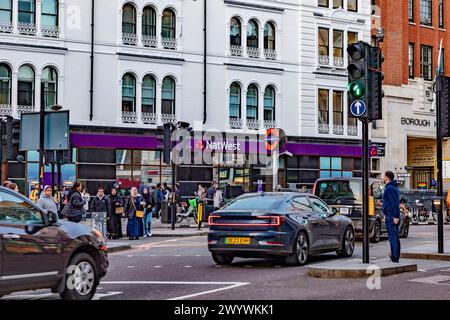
{"x": 115, "y": 215}
{"x": 148, "y": 199}
{"x": 46, "y": 200}
{"x": 135, "y": 212}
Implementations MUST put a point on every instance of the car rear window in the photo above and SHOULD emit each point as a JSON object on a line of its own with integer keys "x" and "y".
{"x": 267, "y": 202}
{"x": 339, "y": 189}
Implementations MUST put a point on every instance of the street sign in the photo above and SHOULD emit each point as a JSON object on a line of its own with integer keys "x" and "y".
{"x": 446, "y": 169}
{"x": 275, "y": 138}
{"x": 373, "y": 151}
{"x": 358, "y": 108}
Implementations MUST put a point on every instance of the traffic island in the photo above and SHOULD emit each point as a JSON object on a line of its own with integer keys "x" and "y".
{"x": 356, "y": 269}
{"x": 427, "y": 252}
{"x": 117, "y": 246}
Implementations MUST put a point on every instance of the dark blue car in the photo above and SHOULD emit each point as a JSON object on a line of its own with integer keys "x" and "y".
{"x": 289, "y": 225}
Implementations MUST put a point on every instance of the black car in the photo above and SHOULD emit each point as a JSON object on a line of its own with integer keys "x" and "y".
{"x": 288, "y": 225}
{"x": 344, "y": 196}
{"x": 38, "y": 251}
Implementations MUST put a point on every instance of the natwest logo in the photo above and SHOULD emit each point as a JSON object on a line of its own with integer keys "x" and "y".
{"x": 221, "y": 146}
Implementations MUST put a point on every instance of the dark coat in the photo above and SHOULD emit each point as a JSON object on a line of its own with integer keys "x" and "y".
{"x": 130, "y": 209}
{"x": 100, "y": 205}
{"x": 391, "y": 201}
{"x": 74, "y": 209}
{"x": 115, "y": 220}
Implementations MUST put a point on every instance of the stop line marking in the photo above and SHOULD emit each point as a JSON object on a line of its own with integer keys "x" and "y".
{"x": 228, "y": 286}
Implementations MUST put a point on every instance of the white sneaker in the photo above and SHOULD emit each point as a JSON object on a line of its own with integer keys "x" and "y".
{"x": 149, "y": 235}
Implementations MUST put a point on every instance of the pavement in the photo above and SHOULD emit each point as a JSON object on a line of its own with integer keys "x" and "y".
{"x": 427, "y": 252}
{"x": 181, "y": 268}
{"x": 355, "y": 268}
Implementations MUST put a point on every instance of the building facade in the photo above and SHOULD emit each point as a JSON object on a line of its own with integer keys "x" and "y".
{"x": 234, "y": 67}
{"x": 413, "y": 33}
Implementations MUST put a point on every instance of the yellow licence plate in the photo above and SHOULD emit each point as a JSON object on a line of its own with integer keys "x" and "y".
{"x": 237, "y": 241}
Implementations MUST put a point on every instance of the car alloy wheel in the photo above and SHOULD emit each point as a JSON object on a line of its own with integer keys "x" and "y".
{"x": 84, "y": 278}
{"x": 302, "y": 249}
{"x": 349, "y": 242}
{"x": 376, "y": 233}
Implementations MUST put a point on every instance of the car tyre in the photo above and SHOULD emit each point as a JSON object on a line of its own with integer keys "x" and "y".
{"x": 376, "y": 232}
{"x": 404, "y": 233}
{"x": 301, "y": 251}
{"x": 348, "y": 244}
{"x": 81, "y": 278}
{"x": 222, "y": 259}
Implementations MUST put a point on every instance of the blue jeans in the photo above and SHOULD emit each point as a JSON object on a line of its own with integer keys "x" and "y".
{"x": 394, "y": 238}
{"x": 148, "y": 222}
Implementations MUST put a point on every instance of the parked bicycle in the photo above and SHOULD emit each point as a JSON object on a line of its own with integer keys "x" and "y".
{"x": 421, "y": 212}
{"x": 188, "y": 211}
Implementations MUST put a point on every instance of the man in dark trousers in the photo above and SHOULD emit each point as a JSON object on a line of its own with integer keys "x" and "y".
{"x": 391, "y": 210}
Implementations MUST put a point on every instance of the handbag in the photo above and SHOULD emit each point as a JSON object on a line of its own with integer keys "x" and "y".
{"x": 139, "y": 213}
{"x": 119, "y": 210}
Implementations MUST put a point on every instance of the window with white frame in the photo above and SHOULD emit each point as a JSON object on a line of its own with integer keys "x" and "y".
{"x": 128, "y": 93}
{"x": 338, "y": 112}
{"x": 235, "y": 101}
{"x": 252, "y": 102}
{"x": 168, "y": 96}
{"x": 323, "y": 111}
{"x": 323, "y": 46}
{"x": 149, "y": 94}
{"x": 49, "y": 87}
{"x": 269, "y": 104}
{"x": 411, "y": 61}
{"x": 426, "y": 12}
{"x": 426, "y": 62}
{"x": 25, "y": 87}
{"x": 5, "y": 11}
{"x": 5, "y": 84}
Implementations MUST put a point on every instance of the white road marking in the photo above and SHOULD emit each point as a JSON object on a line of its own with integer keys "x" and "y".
{"x": 188, "y": 266}
{"x": 158, "y": 267}
{"x": 130, "y": 267}
{"x": 438, "y": 279}
{"x": 229, "y": 286}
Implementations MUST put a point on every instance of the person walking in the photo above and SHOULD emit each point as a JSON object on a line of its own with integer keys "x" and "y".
{"x": 87, "y": 197}
{"x": 100, "y": 206}
{"x": 211, "y": 191}
{"x": 218, "y": 198}
{"x": 46, "y": 200}
{"x": 148, "y": 199}
{"x": 115, "y": 215}
{"x": 159, "y": 197}
{"x": 391, "y": 211}
{"x": 74, "y": 209}
{"x": 134, "y": 209}
{"x": 34, "y": 194}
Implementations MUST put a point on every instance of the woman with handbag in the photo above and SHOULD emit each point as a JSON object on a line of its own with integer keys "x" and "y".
{"x": 135, "y": 212}
{"x": 115, "y": 215}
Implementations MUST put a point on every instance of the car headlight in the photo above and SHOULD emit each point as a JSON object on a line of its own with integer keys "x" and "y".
{"x": 98, "y": 235}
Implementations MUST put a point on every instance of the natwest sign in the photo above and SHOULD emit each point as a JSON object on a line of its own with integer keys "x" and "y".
{"x": 219, "y": 145}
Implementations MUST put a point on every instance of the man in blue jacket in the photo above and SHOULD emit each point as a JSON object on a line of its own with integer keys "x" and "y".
{"x": 391, "y": 210}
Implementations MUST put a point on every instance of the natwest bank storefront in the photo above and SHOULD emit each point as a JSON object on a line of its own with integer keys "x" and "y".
{"x": 243, "y": 160}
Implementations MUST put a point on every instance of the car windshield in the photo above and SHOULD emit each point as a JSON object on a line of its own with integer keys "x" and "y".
{"x": 339, "y": 189}
{"x": 262, "y": 202}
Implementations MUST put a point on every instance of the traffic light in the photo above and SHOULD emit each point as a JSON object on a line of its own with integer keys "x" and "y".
{"x": 358, "y": 71}
{"x": 164, "y": 133}
{"x": 375, "y": 84}
{"x": 444, "y": 97}
{"x": 12, "y": 133}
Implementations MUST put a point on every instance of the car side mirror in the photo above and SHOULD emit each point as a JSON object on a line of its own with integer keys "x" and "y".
{"x": 33, "y": 228}
{"x": 52, "y": 217}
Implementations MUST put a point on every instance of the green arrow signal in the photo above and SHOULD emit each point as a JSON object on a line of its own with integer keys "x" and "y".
{"x": 356, "y": 89}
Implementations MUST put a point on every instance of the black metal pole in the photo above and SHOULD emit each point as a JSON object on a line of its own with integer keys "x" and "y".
{"x": 205, "y": 66}
{"x": 1, "y": 151}
{"x": 365, "y": 202}
{"x": 58, "y": 176}
{"x": 173, "y": 200}
{"x": 91, "y": 86}
{"x": 440, "y": 182}
{"x": 41, "y": 144}
{"x": 53, "y": 179}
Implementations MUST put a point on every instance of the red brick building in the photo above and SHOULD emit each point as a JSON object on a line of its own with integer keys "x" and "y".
{"x": 413, "y": 30}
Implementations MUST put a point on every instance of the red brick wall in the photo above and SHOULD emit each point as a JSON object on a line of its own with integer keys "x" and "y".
{"x": 399, "y": 33}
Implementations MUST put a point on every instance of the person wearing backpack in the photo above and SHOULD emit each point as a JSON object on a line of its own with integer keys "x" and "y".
{"x": 74, "y": 209}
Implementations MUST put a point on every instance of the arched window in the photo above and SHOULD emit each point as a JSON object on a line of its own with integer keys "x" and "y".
{"x": 128, "y": 93}
{"x": 235, "y": 32}
{"x": 27, "y": 12}
{"x": 168, "y": 96}
{"x": 235, "y": 101}
{"x": 269, "y": 36}
{"x": 5, "y": 85}
{"x": 252, "y": 34}
{"x": 6, "y": 12}
{"x": 49, "y": 13}
{"x": 49, "y": 87}
{"x": 252, "y": 102}
{"x": 25, "y": 88}
{"x": 269, "y": 104}
{"x": 149, "y": 94}
{"x": 149, "y": 22}
{"x": 129, "y": 19}
{"x": 168, "y": 24}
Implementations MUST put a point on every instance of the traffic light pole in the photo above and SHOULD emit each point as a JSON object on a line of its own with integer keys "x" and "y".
{"x": 365, "y": 202}
{"x": 440, "y": 182}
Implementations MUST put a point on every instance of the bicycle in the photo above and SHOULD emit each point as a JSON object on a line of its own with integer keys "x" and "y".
{"x": 420, "y": 212}
{"x": 188, "y": 210}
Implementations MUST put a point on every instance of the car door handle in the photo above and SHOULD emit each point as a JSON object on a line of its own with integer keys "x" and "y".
{"x": 11, "y": 236}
